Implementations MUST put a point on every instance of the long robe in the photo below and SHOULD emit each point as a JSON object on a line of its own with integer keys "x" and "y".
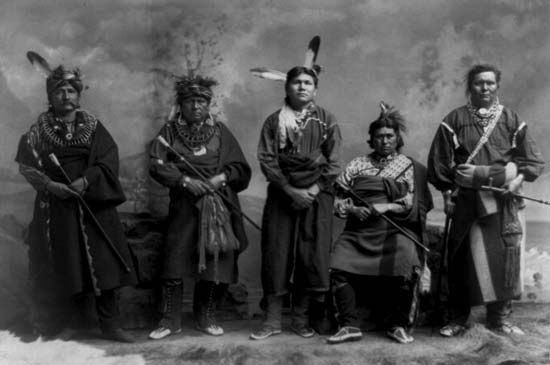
{"x": 296, "y": 243}
{"x": 181, "y": 251}
{"x": 374, "y": 247}
{"x": 477, "y": 250}
{"x": 66, "y": 249}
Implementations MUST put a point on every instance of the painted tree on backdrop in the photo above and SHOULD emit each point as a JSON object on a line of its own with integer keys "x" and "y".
{"x": 187, "y": 46}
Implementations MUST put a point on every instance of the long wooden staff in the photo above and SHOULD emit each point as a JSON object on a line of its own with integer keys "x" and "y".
{"x": 91, "y": 215}
{"x": 500, "y": 190}
{"x": 205, "y": 180}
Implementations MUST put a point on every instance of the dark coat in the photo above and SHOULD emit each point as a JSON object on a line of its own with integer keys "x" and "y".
{"x": 180, "y": 252}
{"x": 62, "y": 239}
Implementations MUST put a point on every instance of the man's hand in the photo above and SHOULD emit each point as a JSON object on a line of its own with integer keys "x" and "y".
{"x": 314, "y": 190}
{"x": 60, "y": 190}
{"x": 382, "y": 208}
{"x": 449, "y": 204}
{"x": 79, "y": 185}
{"x": 361, "y": 213}
{"x": 464, "y": 175}
{"x": 301, "y": 198}
{"x": 195, "y": 186}
{"x": 218, "y": 180}
{"x": 514, "y": 185}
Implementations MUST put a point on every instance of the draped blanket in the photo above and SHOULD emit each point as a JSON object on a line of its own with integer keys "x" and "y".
{"x": 487, "y": 234}
{"x": 302, "y": 170}
{"x": 65, "y": 248}
{"x": 201, "y": 233}
{"x": 373, "y": 247}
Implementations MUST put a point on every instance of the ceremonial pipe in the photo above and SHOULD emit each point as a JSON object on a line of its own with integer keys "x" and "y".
{"x": 205, "y": 180}
{"x": 386, "y": 218}
{"x": 500, "y": 190}
{"x": 121, "y": 260}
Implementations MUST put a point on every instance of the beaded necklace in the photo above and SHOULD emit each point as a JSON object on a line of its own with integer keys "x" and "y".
{"x": 380, "y": 162}
{"x": 57, "y": 133}
{"x": 483, "y": 116}
{"x": 194, "y": 138}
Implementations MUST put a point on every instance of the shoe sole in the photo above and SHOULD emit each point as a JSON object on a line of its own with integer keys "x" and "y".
{"x": 308, "y": 335}
{"x": 258, "y": 338}
{"x": 343, "y": 340}
{"x": 209, "y": 333}
{"x": 454, "y": 334}
{"x": 164, "y": 336}
{"x": 401, "y": 340}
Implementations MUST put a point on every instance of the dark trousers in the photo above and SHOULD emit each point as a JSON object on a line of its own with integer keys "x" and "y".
{"x": 56, "y": 311}
{"x": 307, "y": 309}
{"x": 108, "y": 311}
{"x": 459, "y": 307}
{"x": 388, "y": 298}
{"x": 496, "y": 312}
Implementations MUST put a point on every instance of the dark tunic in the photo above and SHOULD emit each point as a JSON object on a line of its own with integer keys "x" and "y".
{"x": 477, "y": 250}
{"x": 62, "y": 240}
{"x": 374, "y": 247}
{"x": 223, "y": 155}
{"x": 296, "y": 243}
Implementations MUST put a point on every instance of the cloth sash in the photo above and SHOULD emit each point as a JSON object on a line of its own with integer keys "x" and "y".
{"x": 368, "y": 186}
{"x": 511, "y": 233}
{"x": 215, "y": 231}
{"x": 302, "y": 171}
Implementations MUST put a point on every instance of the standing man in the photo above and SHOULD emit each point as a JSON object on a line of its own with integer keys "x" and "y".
{"x": 299, "y": 155}
{"x": 483, "y": 143}
{"x": 205, "y": 236}
{"x": 68, "y": 254}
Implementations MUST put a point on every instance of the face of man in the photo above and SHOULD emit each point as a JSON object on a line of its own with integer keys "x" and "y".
{"x": 384, "y": 141}
{"x": 301, "y": 90}
{"x": 65, "y": 99}
{"x": 483, "y": 90}
{"x": 195, "y": 109}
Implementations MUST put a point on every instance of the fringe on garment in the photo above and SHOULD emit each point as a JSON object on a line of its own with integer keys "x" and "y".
{"x": 215, "y": 233}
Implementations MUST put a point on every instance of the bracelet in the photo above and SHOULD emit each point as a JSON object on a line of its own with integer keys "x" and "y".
{"x": 185, "y": 180}
{"x": 224, "y": 180}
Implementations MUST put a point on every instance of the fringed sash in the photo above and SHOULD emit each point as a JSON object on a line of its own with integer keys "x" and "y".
{"x": 215, "y": 233}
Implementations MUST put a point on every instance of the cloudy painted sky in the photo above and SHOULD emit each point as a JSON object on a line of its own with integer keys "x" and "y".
{"x": 410, "y": 53}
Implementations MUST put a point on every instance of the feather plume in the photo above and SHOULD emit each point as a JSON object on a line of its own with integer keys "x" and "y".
{"x": 39, "y": 63}
{"x": 266, "y": 73}
{"x": 384, "y": 107}
{"x": 312, "y": 50}
{"x": 389, "y": 113}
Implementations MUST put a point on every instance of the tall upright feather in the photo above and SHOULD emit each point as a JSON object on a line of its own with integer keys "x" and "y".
{"x": 312, "y": 51}
{"x": 39, "y": 63}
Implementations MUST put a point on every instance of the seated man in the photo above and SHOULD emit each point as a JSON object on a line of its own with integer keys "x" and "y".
{"x": 370, "y": 251}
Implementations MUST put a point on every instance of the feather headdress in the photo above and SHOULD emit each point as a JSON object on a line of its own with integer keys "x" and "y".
{"x": 309, "y": 62}
{"x": 55, "y": 77}
{"x": 187, "y": 86}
